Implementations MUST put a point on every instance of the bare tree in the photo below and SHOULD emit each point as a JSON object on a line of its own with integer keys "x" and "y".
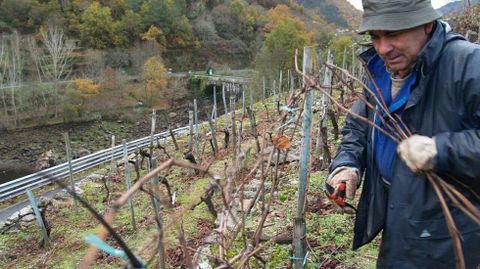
{"x": 94, "y": 63}
{"x": 143, "y": 50}
{"x": 10, "y": 71}
{"x": 58, "y": 57}
{"x": 15, "y": 70}
{"x": 2, "y": 77}
{"x": 176, "y": 89}
{"x": 37, "y": 55}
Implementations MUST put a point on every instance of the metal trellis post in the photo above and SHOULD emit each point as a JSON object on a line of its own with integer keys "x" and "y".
{"x": 129, "y": 183}
{"x": 41, "y": 224}
{"x": 299, "y": 223}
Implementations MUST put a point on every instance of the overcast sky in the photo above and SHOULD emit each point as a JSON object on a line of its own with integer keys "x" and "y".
{"x": 435, "y": 3}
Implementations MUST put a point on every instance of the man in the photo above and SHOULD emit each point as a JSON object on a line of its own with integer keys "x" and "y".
{"x": 430, "y": 78}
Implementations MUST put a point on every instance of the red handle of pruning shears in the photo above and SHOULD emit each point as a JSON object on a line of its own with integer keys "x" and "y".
{"x": 337, "y": 194}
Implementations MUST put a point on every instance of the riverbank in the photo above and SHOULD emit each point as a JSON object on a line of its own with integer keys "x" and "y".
{"x": 21, "y": 148}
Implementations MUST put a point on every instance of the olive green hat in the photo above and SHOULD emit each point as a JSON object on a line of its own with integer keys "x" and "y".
{"x": 396, "y": 15}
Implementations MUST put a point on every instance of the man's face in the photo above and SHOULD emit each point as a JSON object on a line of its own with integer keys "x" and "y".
{"x": 399, "y": 49}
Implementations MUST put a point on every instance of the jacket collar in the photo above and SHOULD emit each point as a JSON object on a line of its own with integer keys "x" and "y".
{"x": 432, "y": 50}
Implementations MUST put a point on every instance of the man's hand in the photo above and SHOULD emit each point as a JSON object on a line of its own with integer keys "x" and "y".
{"x": 345, "y": 175}
{"x": 418, "y": 152}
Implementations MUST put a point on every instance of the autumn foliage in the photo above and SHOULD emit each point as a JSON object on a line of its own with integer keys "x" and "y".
{"x": 86, "y": 88}
{"x": 79, "y": 99}
{"x": 285, "y": 32}
{"x": 156, "y": 79}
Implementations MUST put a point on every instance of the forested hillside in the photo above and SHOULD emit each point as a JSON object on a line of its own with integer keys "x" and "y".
{"x": 188, "y": 32}
{"x": 336, "y": 13}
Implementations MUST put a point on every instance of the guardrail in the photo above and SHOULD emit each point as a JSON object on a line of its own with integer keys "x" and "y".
{"x": 19, "y": 186}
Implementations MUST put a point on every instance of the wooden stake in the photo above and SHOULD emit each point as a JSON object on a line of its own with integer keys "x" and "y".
{"x": 156, "y": 203}
{"x": 152, "y": 133}
{"x": 215, "y": 102}
{"x": 234, "y": 128}
{"x": 353, "y": 60}
{"x": 172, "y": 135}
{"x": 190, "y": 124}
{"x": 251, "y": 97}
{"x": 224, "y": 99}
{"x": 288, "y": 80}
{"x": 280, "y": 82}
{"x": 112, "y": 163}
{"x": 264, "y": 90}
{"x": 253, "y": 126}
{"x": 197, "y": 133}
{"x": 214, "y": 135}
{"x": 243, "y": 101}
{"x": 69, "y": 159}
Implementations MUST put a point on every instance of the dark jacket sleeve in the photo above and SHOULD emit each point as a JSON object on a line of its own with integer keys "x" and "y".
{"x": 459, "y": 152}
{"x": 353, "y": 148}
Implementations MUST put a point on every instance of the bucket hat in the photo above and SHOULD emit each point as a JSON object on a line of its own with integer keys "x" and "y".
{"x": 396, "y": 15}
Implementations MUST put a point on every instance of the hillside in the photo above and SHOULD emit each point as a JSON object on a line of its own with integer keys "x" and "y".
{"x": 190, "y": 34}
{"x": 111, "y": 49}
{"x": 453, "y": 7}
{"x": 338, "y": 12}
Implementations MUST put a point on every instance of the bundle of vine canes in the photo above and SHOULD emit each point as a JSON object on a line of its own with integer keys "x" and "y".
{"x": 398, "y": 134}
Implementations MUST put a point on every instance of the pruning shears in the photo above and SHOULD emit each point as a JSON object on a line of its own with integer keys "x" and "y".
{"x": 337, "y": 195}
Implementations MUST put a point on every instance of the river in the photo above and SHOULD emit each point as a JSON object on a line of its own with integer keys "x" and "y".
{"x": 7, "y": 174}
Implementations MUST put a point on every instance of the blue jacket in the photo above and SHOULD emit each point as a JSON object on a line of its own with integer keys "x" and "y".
{"x": 444, "y": 103}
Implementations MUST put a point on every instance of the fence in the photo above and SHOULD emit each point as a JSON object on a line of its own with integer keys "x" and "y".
{"x": 19, "y": 186}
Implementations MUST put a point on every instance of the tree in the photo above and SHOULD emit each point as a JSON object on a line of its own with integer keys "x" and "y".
{"x": 338, "y": 46}
{"x": 11, "y": 61}
{"x": 163, "y": 13}
{"x": 59, "y": 52}
{"x": 156, "y": 35}
{"x": 323, "y": 38}
{"x": 141, "y": 51}
{"x": 86, "y": 88}
{"x": 23, "y": 15}
{"x": 117, "y": 7}
{"x": 108, "y": 79}
{"x": 170, "y": 17}
{"x": 182, "y": 34}
{"x": 135, "y": 5}
{"x": 94, "y": 63}
{"x": 204, "y": 29}
{"x": 57, "y": 63}
{"x": 98, "y": 29}
{"x": 156, "y": 78}
{"x": 36, "y": 54}
{"x": 236, "y": 20}
{"x": 222, "y": 18}
{"x": 3, "y": 60}
{"x": 130, "y": 26}
{"x": 285, "y": 34}
{"x": 282, "y": 14}
{"x": 176, "y": 89}
{"x": 79, "y": 95}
